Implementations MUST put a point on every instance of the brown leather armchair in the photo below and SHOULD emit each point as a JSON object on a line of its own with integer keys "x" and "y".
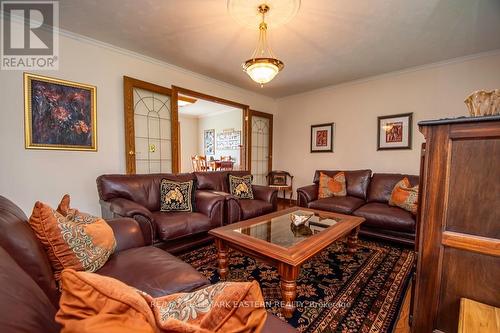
{"x": 29, "y": 298}
{"x": 138, "y": 196}
{"x": 265, "y": 198}
{"x": 367, "y": 197}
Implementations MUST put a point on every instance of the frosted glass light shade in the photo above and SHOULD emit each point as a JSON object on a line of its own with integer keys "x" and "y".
{"x": 263, "y": 70}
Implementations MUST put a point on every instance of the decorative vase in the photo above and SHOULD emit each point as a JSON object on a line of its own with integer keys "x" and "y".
{"x": 483, "y": 103}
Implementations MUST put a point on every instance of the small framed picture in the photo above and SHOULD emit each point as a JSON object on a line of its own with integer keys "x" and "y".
{"x": 394, "y": 131}
{"x": 322, "y": 138}
{"x": 59, "y": 114}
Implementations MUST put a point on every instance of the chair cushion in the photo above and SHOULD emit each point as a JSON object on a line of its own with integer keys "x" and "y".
{"x": 332, "y": 186}
{"x": 153, "y": 271}
{"x": 176, "y": 196}
{"x": 174, "y": 225}
{"x": 24, "y": 307}
{"x": 252, "y": 208}
{"x": 343, "y": 205}
{"x": 383, "y": 216}
{"x": 382, "y": 184}
{"x": 241, "y": 187}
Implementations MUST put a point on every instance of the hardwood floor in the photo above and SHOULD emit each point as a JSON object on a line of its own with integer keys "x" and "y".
{"x": 402, "y": 324}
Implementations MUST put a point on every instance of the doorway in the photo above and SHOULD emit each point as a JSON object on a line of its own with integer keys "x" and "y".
{"x": 212, "y": 129}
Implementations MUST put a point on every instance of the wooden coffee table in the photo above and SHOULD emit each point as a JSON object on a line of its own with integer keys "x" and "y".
{"x": 274, "y": 239}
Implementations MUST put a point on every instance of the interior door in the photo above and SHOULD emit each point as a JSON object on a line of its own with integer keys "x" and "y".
{"x": 261, "y": 145}
{"x": 151, "y": 128}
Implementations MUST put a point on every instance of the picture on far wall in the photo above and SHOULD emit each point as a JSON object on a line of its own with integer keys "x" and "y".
{"x": 209, "y": 141}
{"x": 59, "y": 114}
{"x": 229, "y": 139}
{"x": 394, "y": 131}
{"x": 322, "y": 138}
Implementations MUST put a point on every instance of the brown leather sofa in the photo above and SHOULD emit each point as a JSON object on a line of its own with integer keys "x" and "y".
{"x": 29, "y": 296}
{"x": 265, "y": 198}
{"x": 368, "y": 197}
{"x": 138, "y": 196}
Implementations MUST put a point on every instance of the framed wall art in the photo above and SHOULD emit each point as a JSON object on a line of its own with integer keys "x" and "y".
{"x": 59, "y": 114}
{"x": 229, "y": 139}
{"x": 394, "y": 131}
{"x": 322, "y": 138}
{"x": 209, "y": 141}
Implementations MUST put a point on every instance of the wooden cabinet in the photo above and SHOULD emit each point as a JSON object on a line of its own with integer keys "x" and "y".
{"x": 459, "y": 227}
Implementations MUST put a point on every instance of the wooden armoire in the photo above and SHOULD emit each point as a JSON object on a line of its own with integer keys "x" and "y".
{"x": 458, "y": 237}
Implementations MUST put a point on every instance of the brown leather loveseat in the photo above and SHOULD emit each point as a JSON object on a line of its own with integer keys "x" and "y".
{"x": 29, "y": 297}
{"x": 367, "y": 196}
{"x": 138, "y": 196}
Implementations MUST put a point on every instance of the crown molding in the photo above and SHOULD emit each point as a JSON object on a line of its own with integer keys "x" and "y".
{"x": 408, "y": 70}
{"x": 127, "y": 52}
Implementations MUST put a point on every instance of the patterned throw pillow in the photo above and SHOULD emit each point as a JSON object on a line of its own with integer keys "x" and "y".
{"x": 405, "y": 196}
{"x": 176, "y": 196}
{"x": 72, "y": 239}
{"x": 241, "y": 187}
{"x": 95, "y": 303}
{"x": 332, "y": 186}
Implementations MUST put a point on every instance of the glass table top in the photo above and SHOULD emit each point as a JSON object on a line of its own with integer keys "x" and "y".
{"x": 283, "y": 232}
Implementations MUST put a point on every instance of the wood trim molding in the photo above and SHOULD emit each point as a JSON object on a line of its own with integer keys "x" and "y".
{"x": 192, "y": 93}
{"x": 478, "y": 244}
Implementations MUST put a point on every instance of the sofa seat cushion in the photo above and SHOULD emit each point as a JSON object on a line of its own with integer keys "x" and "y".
{"x": 174, "y": 225}
{"x": 343, "y": 205}
{"x": 253, "y": 208}
{"x": 383, "y": 216}
{"x": 153, "y": 271}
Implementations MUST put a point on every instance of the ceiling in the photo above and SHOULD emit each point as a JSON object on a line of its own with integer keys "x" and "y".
{"x": 328, "y": 42}
{"x": 202, "y": 108}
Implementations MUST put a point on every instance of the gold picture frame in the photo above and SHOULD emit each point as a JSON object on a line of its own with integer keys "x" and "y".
{"x": 63, "y": 117}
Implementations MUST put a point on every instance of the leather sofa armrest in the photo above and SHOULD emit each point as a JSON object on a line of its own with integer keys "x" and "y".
{"x": 121, "y": 207}
{"x": 307, "y": 194}
{"x": 128, "y": 233}
{"x": 210, "y": 204}
{"x": 266, "y": 193}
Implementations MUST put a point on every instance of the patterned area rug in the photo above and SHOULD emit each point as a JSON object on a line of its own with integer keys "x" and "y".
{"x": 336, "y": 291}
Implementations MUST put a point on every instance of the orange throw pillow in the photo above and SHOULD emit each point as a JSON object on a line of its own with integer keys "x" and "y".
{"x": 72, "y": 239}
{"x": 405, "y": 196}
{"x": 99, "y": 304}
{"x": 332, "y": 186}
{"x": 222, "y": 307}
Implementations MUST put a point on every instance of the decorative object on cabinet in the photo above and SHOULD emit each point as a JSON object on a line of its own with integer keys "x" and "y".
{"x": 322, "y": 138}
{"x": 59, "y": 114}
{"x": 394, "y": 131}
{"x": 229, "y": 139}
{"x": 458, "y": 238}
{"x": 282, "y": 181}
{"x": 483, "y": 103}
{"x": 209, "y": 141}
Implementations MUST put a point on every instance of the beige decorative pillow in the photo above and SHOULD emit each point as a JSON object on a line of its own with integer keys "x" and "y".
{"x": 332, "y": 186}
{"x": 72, "y": 239}
{"x": 405, "y": 196}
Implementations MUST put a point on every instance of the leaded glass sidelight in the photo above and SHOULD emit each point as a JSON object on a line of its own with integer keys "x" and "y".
{"x": 153, "y": 132}
{"x": 260, "y": 149}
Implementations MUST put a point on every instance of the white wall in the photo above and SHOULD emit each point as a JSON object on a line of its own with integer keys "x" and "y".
{"x": 430, "y": 92}
{"x": 189, "y": 141}
{"x": 221, "y": 122}
{"x": 30, "y": 175}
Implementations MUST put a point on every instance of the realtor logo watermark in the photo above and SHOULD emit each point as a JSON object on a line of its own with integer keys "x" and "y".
{"x": 29, "y": 37}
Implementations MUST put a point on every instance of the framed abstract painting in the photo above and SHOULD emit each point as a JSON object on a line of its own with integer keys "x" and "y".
{"x": 394, "y": 131}
{"x": 322, "y": 138}
{"x": 59, "y": 114}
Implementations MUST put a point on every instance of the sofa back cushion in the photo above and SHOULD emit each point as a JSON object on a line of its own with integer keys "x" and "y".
{"x": 216, "y": 180}
{"x": 18, "y": 240}
{"x": 382, "y": 184}
{"x": 357, "y": 181}
{"x": 142, "y": 189}
{"x": 24, "y": 307}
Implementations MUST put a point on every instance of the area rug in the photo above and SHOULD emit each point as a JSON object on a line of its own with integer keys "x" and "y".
{"x": 336, "y": 291}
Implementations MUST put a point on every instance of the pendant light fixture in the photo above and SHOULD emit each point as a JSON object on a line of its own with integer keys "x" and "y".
{"x": 263, "y": 66}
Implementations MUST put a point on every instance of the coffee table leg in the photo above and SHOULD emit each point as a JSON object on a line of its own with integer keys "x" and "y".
{"x": 352, "y": 241}
{"x": 288, "y": 276}
{"x": 223, "y": 258}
